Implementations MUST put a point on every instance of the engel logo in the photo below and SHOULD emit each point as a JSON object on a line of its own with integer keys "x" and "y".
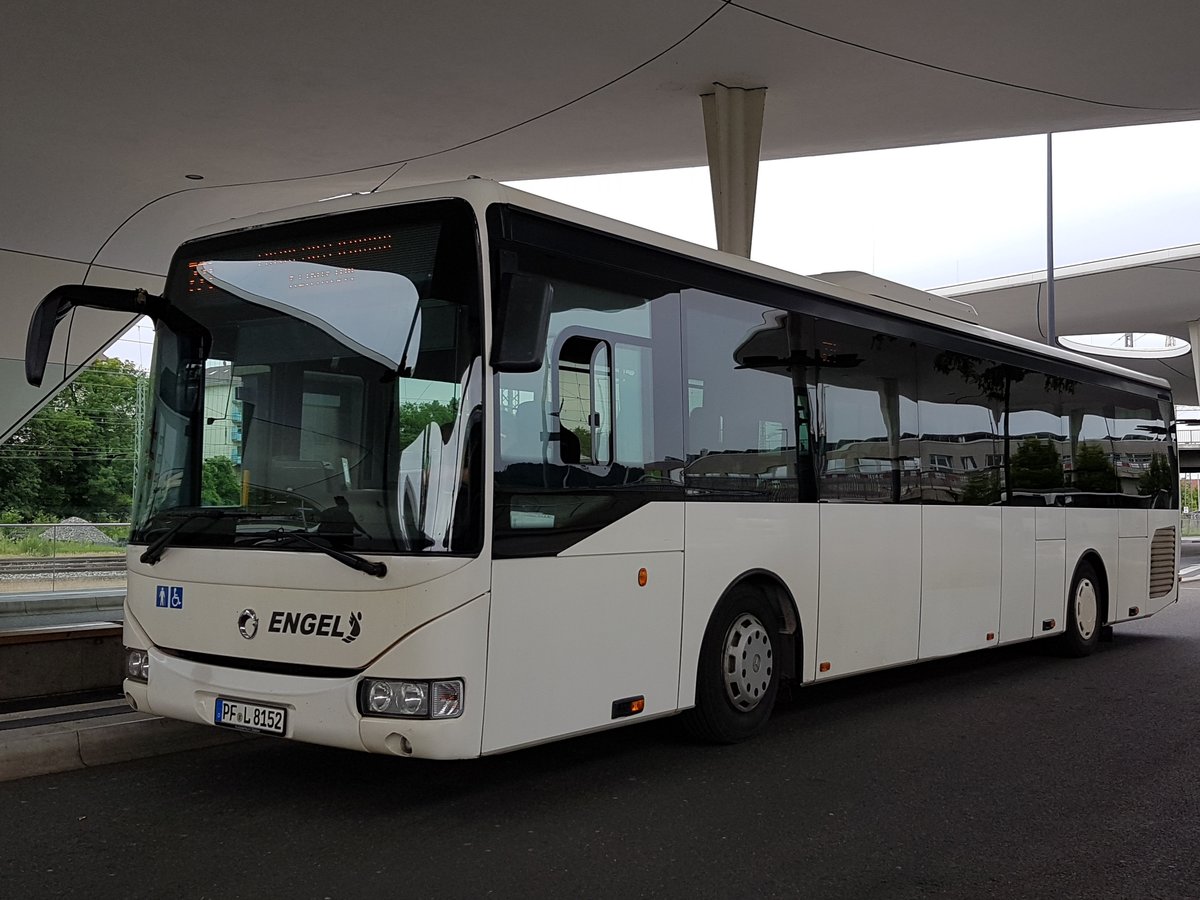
{"x": 322, "y": 624}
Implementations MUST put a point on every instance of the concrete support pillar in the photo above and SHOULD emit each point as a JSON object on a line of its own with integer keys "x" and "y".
{"x": 1194, "y": 338}
{"x": 889, "y": 405}
{"x": 733, "y": 120}
{"x": 1076, "y": 425}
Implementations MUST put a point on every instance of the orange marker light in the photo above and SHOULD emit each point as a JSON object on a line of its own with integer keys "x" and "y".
{"x": 630, "y": 706}
{"x": 643, "y": 577}
{"x": 824, "y": 667}
{"x": 991, "y": 636}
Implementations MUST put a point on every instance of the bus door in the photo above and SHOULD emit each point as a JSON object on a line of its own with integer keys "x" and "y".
{"x": 588, "y": 525}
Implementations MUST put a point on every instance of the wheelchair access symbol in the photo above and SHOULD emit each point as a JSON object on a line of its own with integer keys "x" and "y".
{"x": 169, "y": 596}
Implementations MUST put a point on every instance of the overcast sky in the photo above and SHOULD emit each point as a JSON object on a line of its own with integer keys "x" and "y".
{"x": 939, "y": 215}
{"x": 931, "y": 216}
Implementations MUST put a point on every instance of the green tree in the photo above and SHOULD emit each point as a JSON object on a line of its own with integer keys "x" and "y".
{"x": 20, "y": 480}
{"x": 1094, "y": 470}
{"x": 1158, "y": 477}
{"x": 415, "y": 417}
{"x": 219, "y": 482}
{"x": 1036, "y": 466}
{"x": 76, "y": 455}
{"x": 982, "y": 489}
{"x": 1187, "y": 493}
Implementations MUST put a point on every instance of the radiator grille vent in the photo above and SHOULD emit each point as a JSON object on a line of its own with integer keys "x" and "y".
{"x": 1162, "y": 562}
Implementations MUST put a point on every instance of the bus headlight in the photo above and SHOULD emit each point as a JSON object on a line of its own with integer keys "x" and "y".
{"x": 411, "y": 699}
{"x": 137, "y": 665}
{"x": 380, "y": 697}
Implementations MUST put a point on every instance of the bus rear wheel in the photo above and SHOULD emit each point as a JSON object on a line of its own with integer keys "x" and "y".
{"x": 1085, "y": 611}
{"x": 738, "y": 677}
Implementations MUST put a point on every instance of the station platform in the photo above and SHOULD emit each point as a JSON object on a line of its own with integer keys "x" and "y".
{"x": 61, "y": 706}
{"x": 60, "y": 738}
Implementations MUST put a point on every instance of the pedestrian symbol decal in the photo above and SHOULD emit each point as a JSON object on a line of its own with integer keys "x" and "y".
{"x": 169, "y": 596}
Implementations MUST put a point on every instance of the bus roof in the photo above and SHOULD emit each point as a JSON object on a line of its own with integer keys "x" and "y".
{"x": 856, "y": 288}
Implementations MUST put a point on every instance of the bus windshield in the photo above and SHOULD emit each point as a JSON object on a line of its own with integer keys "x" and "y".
{"x": 329, "y": 382}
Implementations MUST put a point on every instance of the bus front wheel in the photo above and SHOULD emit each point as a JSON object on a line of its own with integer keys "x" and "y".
{"x": 738, "y": 676}
{"x": 1085, "y": 611}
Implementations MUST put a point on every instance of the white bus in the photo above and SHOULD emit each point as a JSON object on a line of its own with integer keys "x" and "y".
{"x": 454, "y": 470}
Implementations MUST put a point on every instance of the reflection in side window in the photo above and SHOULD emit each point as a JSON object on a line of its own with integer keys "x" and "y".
{"x": 595, "y": 433}
{"x": 960, "y": 409}
{"x": 866, "y": 401}
{"x": 585, "y": 402}
{"x": 1116, "y": 448}
{"x": 748, "y": 423}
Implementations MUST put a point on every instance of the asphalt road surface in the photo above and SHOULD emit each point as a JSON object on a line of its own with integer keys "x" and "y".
{"x": 1005, "y": 773}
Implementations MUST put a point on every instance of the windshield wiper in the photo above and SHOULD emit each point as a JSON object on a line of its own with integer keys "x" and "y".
{"x": 353, "y": 560}
{"x": 158, "y": 546}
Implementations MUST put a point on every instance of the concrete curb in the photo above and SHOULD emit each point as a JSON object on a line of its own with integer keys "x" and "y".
{"x": 63, "y": 747}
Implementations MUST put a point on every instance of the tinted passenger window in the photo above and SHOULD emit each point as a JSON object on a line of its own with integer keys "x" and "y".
{"x": 1037, "y": 452}
{"x": 585, "y": 401}
{"x": 865, "y": 399}
{"x": 1119, "y": 450}
{"x": 748, "y": 425}
{"x": 596, "y": 432}
{"x": 961, "y": 410}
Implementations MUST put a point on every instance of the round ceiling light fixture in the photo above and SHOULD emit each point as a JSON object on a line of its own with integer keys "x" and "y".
{"x": 1127, "y": 344}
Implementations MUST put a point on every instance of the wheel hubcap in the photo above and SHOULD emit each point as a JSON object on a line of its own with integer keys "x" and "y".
{"x": 749, "y": 662}
{"x": 1085, "y": 608}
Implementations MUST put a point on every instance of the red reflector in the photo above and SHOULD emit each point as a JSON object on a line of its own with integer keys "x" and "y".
{"x": 991, "y": 636}
{"x": 824, "y": 667}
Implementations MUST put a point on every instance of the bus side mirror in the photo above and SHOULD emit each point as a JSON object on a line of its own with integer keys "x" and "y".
{"x": 59, "y": 302}
{"x": 521, "y": 319}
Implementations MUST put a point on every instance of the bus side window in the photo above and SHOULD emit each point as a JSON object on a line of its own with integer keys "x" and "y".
{"x": 585, "y": 407}
{"x": 866, "y": 401}
{"x": 745, "y": 371}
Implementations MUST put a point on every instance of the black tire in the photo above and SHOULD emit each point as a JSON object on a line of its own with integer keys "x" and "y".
{"x": 733, "y": 703}
{"x": 1086, "y": 604}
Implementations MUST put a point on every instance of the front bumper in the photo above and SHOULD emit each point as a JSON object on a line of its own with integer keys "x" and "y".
{"x": 325, "y": 710}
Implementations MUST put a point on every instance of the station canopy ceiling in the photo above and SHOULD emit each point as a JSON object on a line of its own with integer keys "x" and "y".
{"x": 1157, "y": 292}
{"x": 109, "y": 107}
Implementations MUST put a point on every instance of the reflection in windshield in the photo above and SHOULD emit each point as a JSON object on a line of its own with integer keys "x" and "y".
{"x": 341, "y": 397}
{"x": 373, "y": 313}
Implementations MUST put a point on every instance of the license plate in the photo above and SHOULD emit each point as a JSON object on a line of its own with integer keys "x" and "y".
{"x": 251, "y": 716}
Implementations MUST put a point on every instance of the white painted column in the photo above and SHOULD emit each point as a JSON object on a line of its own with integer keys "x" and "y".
{"x": 733, "y": 120}
{"x": 1194, "y": 337}
{"x": 889, "y": 405}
